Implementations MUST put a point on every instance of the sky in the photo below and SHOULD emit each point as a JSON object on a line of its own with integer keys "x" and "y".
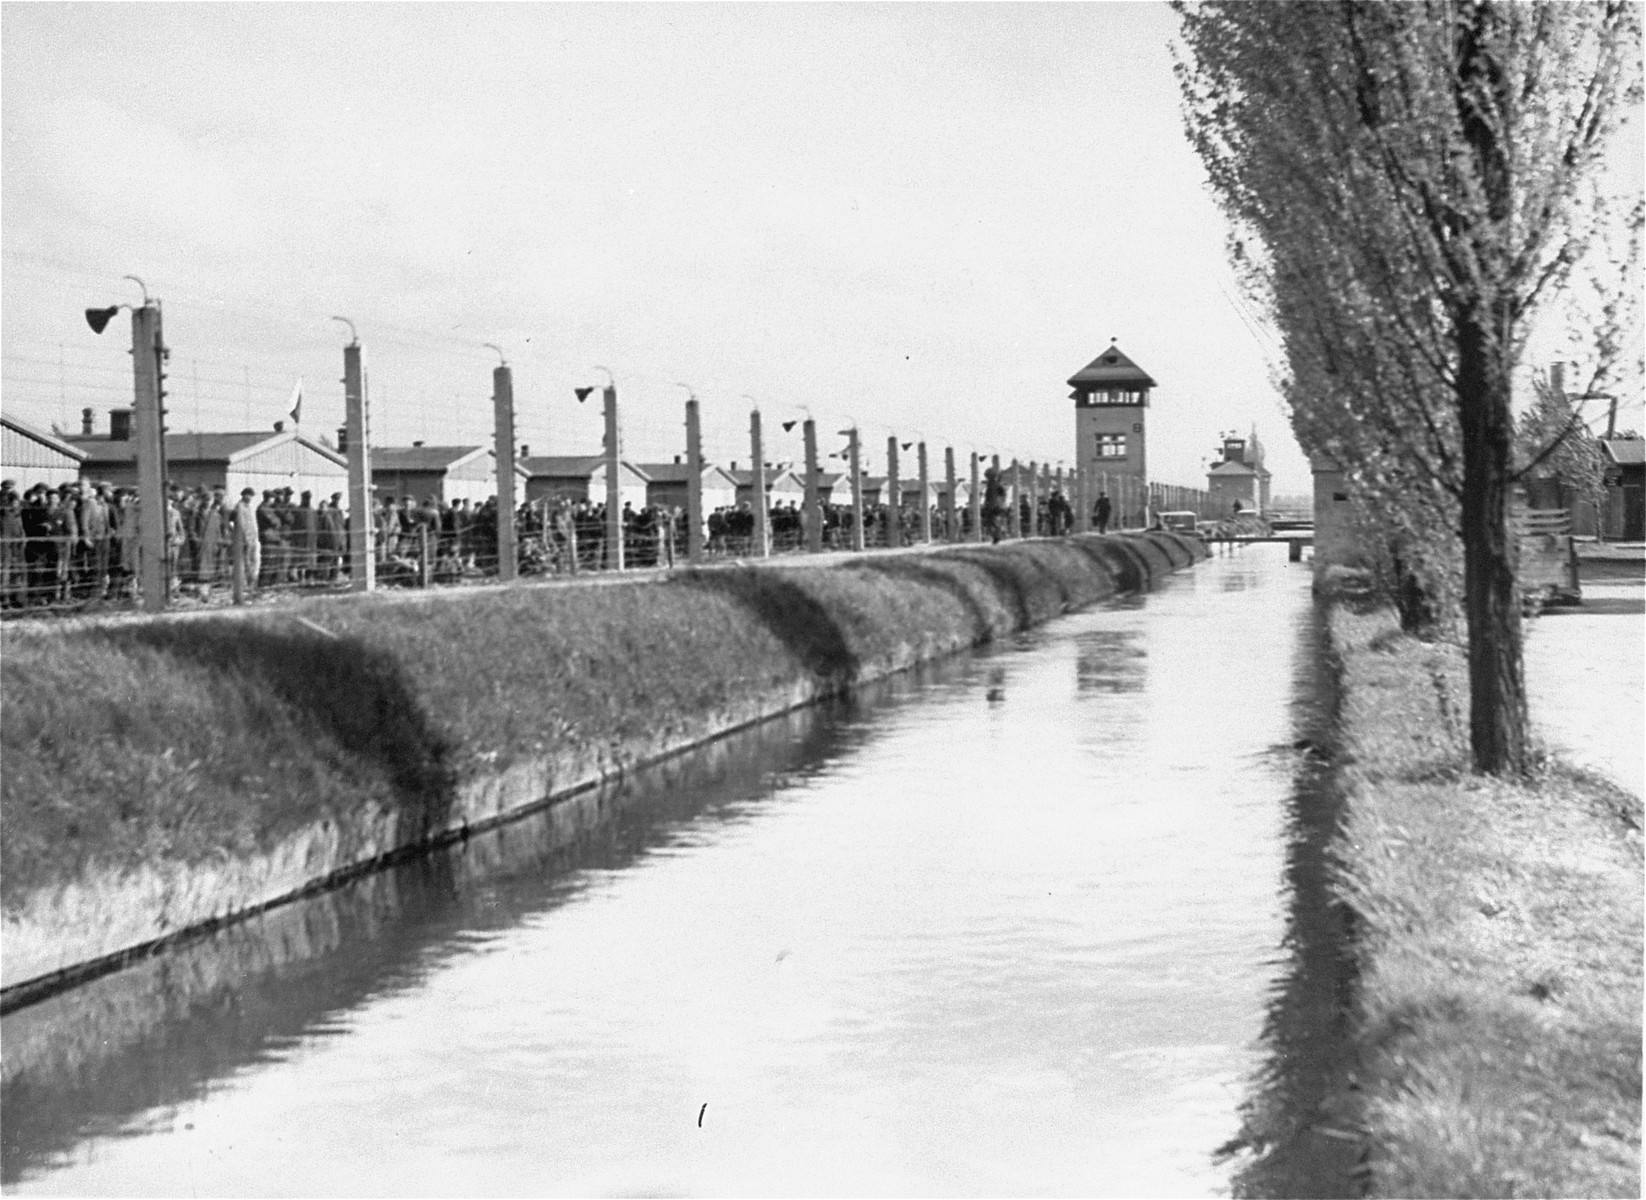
{"x": 919, "y": 219}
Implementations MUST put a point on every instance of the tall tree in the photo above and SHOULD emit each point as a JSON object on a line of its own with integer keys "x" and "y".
{"x": 1409, "y": 183}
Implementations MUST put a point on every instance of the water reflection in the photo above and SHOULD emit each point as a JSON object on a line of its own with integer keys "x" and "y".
{"x": 1111, "y": 660}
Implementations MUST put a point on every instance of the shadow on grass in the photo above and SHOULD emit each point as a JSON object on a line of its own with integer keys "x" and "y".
{"x": 792, "y": 615}
{"x": 920, "y": 571}
{"x": 338, "y": 690}
{"x": 1129, "y": 570}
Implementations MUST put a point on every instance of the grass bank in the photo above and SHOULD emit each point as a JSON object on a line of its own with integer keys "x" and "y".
{"x": 165, "y": 774}
{"x": 1498, "y": 935}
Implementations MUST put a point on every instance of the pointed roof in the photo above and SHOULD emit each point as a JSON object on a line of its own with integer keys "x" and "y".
{"x": 1111, "y": 369}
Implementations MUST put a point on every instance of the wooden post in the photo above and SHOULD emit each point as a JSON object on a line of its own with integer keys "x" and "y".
{"x": 757, "y": 489}
{"x": 425, "y": 573}
{"x": 614, "y": 481}
{"x": 893, "y": 497}
{"x": 508, "y": 555}
{"x": 854, "y": 458}
{"x": 951, "y": 531}
{"x": 362, "y": 530}
{"x": 694, "y": 484}
{"x": 814, "y": 483}
{"x": 975, "y": 502}
{"x": 925, "y": 498}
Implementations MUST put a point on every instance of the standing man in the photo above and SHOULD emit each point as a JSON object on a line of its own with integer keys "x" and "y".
{"x": 245, "y": 530}
{"x": 1101, "y": 511}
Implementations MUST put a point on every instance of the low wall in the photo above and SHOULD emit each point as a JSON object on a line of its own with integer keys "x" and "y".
{"x": 164, "y": 776}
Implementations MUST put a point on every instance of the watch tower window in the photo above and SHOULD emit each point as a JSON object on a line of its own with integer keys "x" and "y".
{"x": 1111, "y": 445}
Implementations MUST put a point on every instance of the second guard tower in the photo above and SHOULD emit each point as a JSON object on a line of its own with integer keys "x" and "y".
{"x": 1111, "y": 396}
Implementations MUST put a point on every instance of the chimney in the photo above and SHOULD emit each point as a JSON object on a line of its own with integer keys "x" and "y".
{"x": 342, "y": 439}
{"x": 418, "y": 444}
{"x": 734, "y": 464}
{"x": 525, "y": 450}
{"x": 677, "y": 460}
{"x": 280, "y": 427}
{"x": 1557, "y": 378}
{"x": 87, "y": 426}
{"x": 119, "y": 424}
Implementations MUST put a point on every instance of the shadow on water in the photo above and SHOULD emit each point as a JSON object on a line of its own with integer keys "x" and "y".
{"x": 91, "y": 1061}
{"x": 1297, "y": 1125}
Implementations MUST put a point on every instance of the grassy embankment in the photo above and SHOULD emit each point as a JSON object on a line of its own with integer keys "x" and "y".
{"x": 161, "y": 774}
{"x": 1498, "y": 930}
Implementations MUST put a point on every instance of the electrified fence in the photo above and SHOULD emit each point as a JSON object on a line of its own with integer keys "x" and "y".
{"x": 144, "y": 528}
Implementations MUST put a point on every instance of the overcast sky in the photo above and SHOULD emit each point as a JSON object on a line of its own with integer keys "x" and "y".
{"x": 922, "y": 218}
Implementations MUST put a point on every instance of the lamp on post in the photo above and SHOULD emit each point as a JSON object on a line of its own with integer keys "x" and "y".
{"x": 148, "y": 359}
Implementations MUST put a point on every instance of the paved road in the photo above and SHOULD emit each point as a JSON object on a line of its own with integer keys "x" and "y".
{"x": 1586, "y": 679}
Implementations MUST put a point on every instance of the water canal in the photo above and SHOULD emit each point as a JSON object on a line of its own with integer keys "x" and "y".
{"x": 1013, "y": 924}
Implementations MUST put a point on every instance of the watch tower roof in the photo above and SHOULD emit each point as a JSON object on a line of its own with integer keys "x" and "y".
{"x": 1111, "y": 369}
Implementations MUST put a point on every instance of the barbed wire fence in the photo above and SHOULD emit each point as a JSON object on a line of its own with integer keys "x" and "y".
{"x": 73, "y": 545}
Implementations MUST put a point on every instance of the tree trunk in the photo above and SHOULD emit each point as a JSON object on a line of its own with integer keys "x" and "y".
{"x": 1497, "y": 690}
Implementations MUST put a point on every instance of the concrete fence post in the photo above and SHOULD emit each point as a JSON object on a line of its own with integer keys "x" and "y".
{"x": 508, "y": 556}
{"x": 694, "y": 484}
{"x": 814, "y": 484}
{"x": 855, "y": 460}
{"x": 925, "y": 497}
{"x": 237, "y": 555}
{"x": 951, "y": 530}
{"x": 893, "y": 497}
{"x": 1014, "y": 521}
{"x": 757, "y": 481}
{"x": 975, "y": 501}
{"x": 614, "y": 484}
{"x": 1034, "y": 500}
{"x": 148, "y": 434}
{"x": 362, "y": 516}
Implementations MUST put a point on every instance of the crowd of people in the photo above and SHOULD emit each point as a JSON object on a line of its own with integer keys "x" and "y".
{"x": 77, "y": 542}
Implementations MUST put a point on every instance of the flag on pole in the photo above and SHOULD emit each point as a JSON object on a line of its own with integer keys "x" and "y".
{"x": 297, "y": 402}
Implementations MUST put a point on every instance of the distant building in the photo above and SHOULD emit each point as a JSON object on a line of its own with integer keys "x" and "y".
{"x": 1241, "y": 477}
{"x": 263, "y": 460}
{"x": 1111, "y": 396}
{"x": 581, "y": 477}
{"x": 447, "y": 473}
{"x": 782, "y": 485}
{"x": 666, "y": 485}
{"x": 1625, "y": 515}
{"x": 29, "y": 455}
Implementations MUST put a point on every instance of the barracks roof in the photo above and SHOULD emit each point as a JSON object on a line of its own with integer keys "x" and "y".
{"x": 421, "y": 458}
{"x": 200, "y": 447}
